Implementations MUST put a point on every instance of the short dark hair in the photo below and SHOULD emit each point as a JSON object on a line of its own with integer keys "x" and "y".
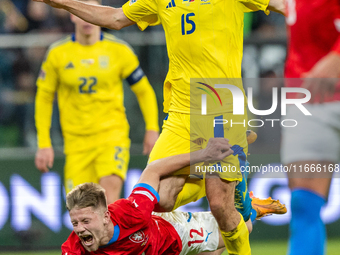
{"x": 86, "y": 195}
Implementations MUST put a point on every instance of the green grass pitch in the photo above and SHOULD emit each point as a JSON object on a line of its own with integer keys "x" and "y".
{"x": 258, "y": 248}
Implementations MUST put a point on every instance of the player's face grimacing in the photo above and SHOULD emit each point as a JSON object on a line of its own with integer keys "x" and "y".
{"x": 89, "y": 225}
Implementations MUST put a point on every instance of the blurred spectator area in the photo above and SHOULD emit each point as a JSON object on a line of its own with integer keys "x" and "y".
{"x": 27, "y": 28}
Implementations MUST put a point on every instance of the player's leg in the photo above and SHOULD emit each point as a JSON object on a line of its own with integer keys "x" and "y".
{"x": 79, "y": 168}
{"x": 314, "y": 141}
{"x": 113, "y": 185}
{"x": 307, "y": 231}
{"x": 221, "y": 191}
{"x": 173, "y": 140}
{"x": 111, "y": 167}
{"x": 220, "y": 194}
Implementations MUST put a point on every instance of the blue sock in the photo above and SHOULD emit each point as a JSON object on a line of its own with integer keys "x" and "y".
{"x": 307, "y": 231}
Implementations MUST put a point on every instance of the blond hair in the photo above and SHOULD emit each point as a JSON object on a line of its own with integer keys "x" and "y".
{"x": 86, "y": 195}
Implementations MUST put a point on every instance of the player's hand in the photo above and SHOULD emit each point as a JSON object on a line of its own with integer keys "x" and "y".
{"x": 44, "y": 159}
{"x": 150, "y": 139}
{"x": 54, "y": 3}
{"x": 323, "y": 78}
{"x": 217, "y": 149}
{"x": 278, "y": 6}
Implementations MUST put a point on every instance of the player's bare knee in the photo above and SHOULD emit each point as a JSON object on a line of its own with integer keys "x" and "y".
{"x": 221, "y": 208}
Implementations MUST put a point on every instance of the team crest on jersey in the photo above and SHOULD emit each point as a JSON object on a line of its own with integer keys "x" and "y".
{"x": 132, "y": 2}
{"x": 104, "y": 61}
{"x": 137, "y": 237}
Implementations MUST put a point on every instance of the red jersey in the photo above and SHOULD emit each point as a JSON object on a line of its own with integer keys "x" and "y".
{"x": 136, "y": 230}
{"x": 313, "y": 31}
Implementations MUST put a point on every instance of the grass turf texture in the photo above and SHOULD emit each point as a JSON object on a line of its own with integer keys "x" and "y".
{"x": 258, "y": 248}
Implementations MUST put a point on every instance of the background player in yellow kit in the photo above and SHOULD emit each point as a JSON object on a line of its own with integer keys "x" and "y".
{"x": 87, "y": 71}
{"x": 204, "y": 40}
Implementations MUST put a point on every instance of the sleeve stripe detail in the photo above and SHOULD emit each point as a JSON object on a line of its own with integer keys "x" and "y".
{"x": 135, "y": 76}
{"x": 148, "y": 187}
{"x": 143, "y": 192}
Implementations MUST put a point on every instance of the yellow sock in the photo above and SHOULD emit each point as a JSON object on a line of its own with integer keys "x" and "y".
{"x": 237, "y": 241}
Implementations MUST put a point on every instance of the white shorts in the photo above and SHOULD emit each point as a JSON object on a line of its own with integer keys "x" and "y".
{"x": 315, "y": 137}
{"x": 199, "y": 231}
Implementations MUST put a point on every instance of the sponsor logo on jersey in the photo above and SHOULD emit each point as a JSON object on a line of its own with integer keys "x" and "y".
{"x": 171, "y": 4}
{"x": 206, "y": 239}
{"x": 69, "y": 66}
{"x": 134, "y": 202}
{"x": 189, "y": 216}
{"x": 87, "y": 62}
{"x": 188, "y": 1}
{"x": 137, "y": 237}
{"x": 205, "y": 2}
{"x": 104, "y": 61}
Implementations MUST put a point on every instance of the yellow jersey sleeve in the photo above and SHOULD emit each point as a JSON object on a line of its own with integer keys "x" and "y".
{"x": 43, "y": 117}
{"x": 255, "y": 5}
{"x": 143, "y": 12}
{"x": 47, "y": 85}
{"x": 147, "y": 102}
{"x": 48, "y": 76}
{"x": 130, "y": 63}
{"x": 140, "y": 85}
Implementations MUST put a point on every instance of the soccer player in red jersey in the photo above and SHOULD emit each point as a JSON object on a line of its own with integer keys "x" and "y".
{"x": 128, "y": 226}
{"x": 314, "y": 56}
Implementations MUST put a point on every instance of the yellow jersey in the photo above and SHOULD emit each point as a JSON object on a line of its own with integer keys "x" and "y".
{"x": 88, "y": 80}
{"x": 204, "y": 40}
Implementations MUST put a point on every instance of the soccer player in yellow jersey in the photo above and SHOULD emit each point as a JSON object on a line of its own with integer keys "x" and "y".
{"x": 87, "y": 70}
{"x": 205, "y": 41}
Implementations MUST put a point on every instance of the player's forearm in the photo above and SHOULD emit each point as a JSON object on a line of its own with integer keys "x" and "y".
{"x": 43, "y": 117}
{"x": 148, "y": 103}
{"x": 169, "y": 165}
{"x": 103, "y": 16}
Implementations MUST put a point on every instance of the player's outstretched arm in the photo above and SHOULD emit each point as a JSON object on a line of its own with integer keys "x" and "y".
{"x": 103, "y": 16}
{"x": 216, "y": 150}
